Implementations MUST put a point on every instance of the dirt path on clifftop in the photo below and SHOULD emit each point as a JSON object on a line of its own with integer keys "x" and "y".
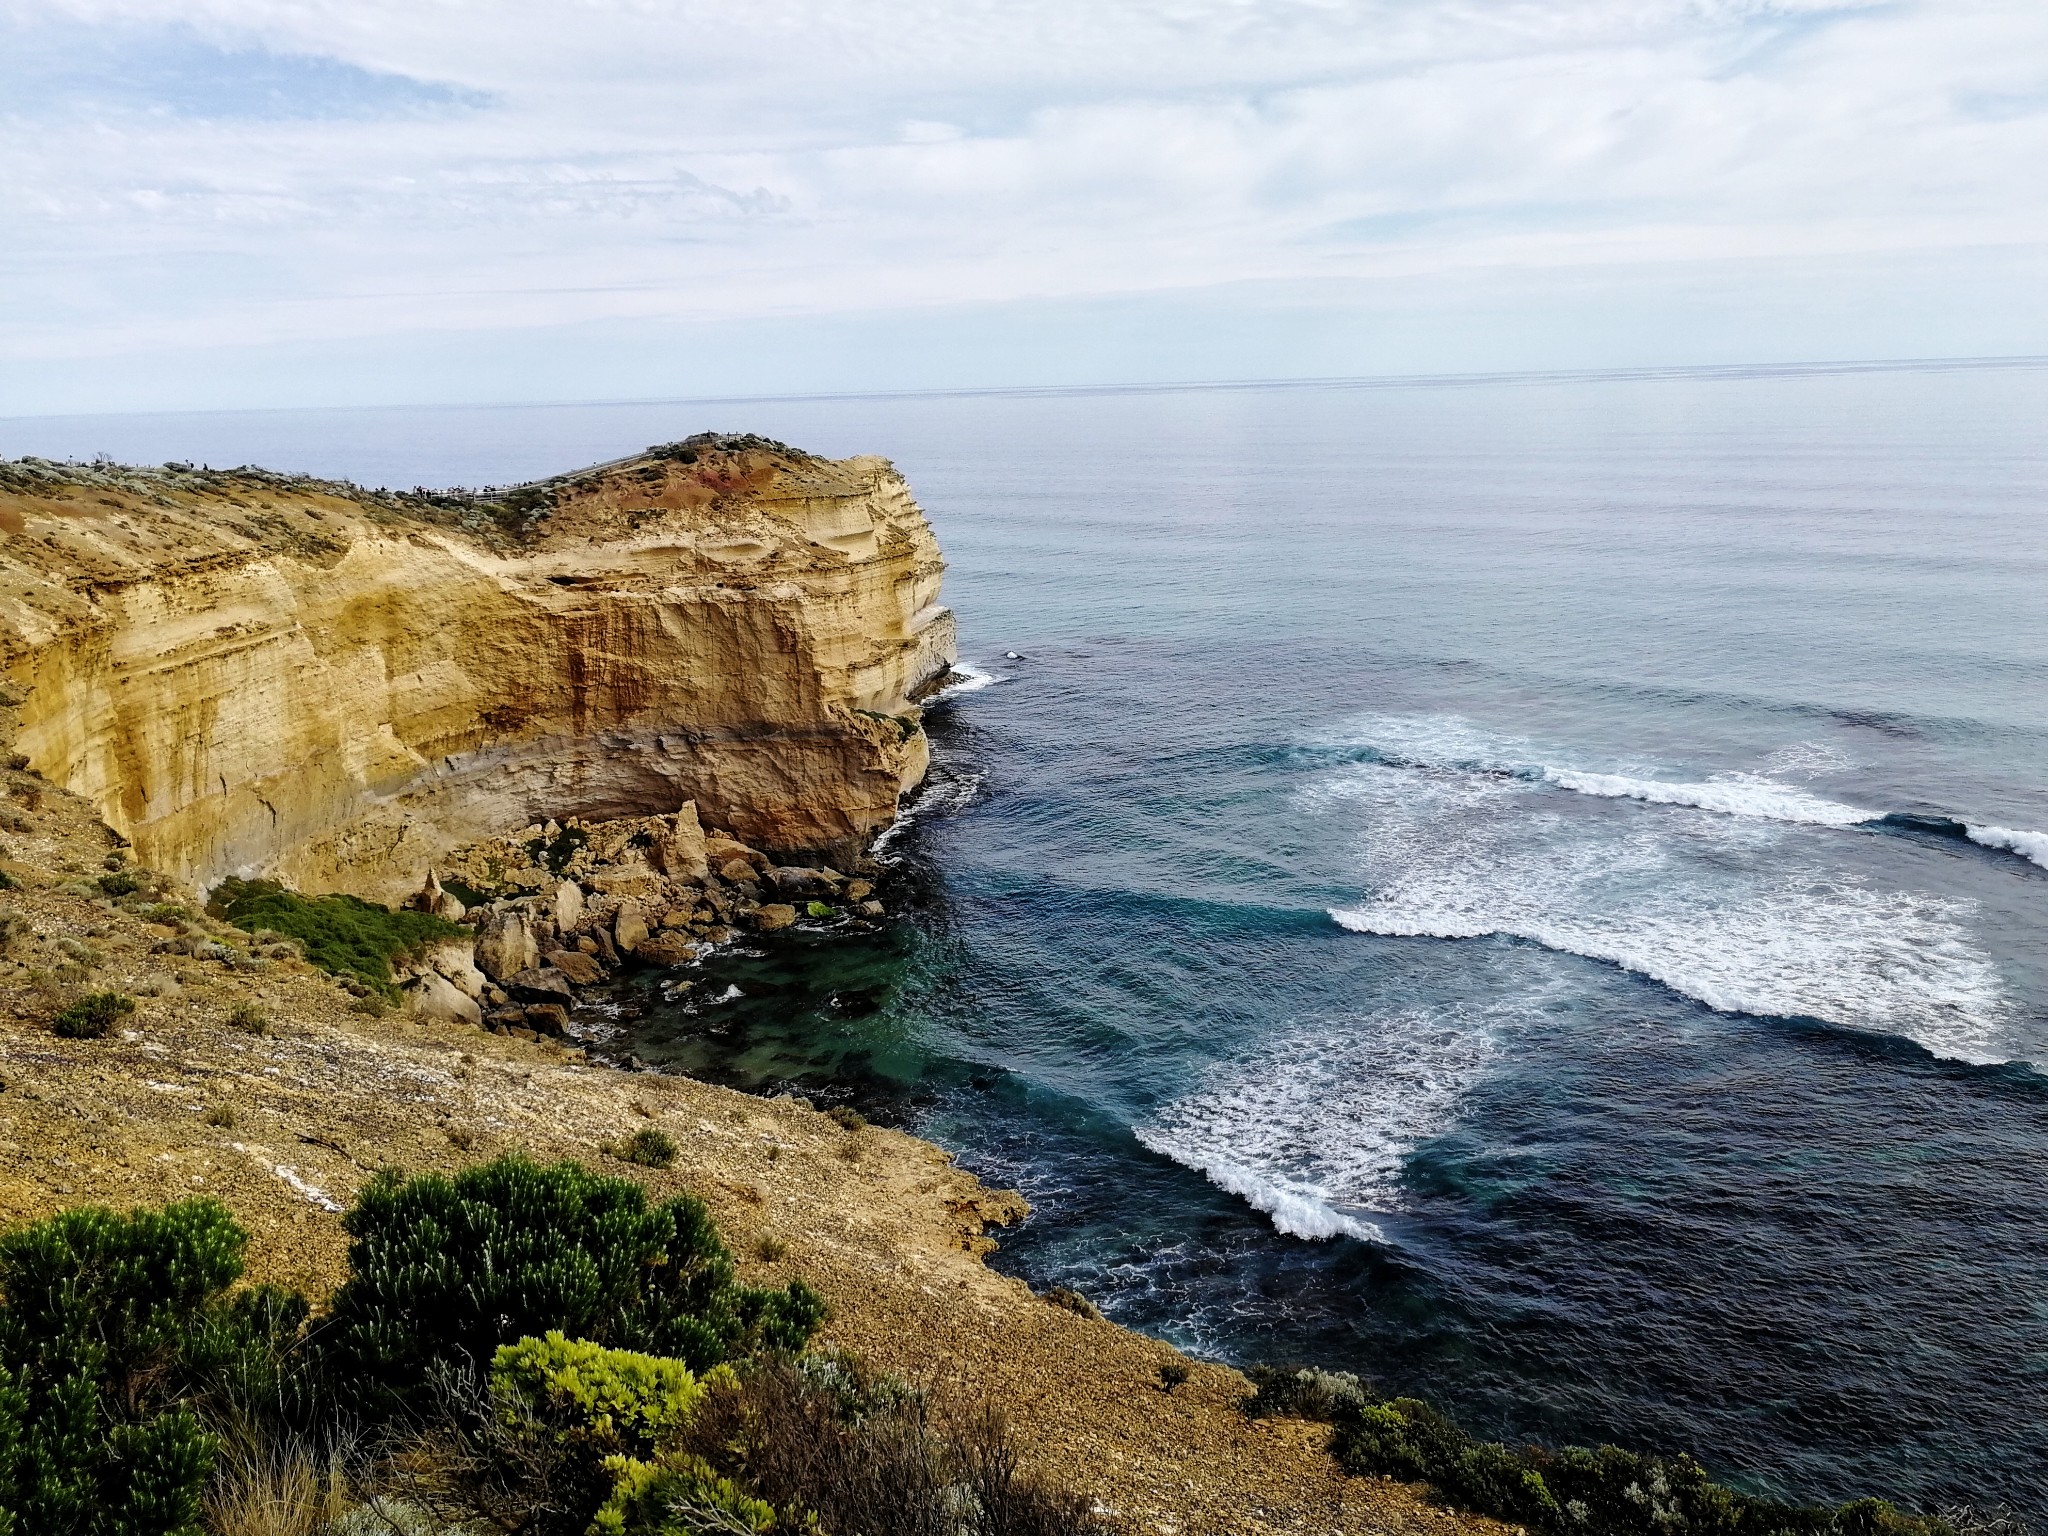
{"x": 285, "y": 1125}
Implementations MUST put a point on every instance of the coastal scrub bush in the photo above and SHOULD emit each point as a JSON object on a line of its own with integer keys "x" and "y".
{"x": 90, "y": 1018}
{"x": 249, "y": 1019}
{"x": 1073, "y": 1301}
{"x": 1567, "y": 1492}
{"x": 557, "y": 1432}
{"x": 650, "y": 1147}
{"x": 106, "y": 1322}
{"x": 343, "y": 935}
{"x": 443, "y": 1271}
{"x": 835, "y": 1446}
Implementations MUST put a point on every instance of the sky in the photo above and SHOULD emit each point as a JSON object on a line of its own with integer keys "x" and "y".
{"x": 245, "y": 203}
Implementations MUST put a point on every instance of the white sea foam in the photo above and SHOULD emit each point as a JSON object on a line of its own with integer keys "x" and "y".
{"x": 1734, "y": 794}
{"x": 972, "y": 680}
{"x": 1744, "y": 909}
{"x": 1313, "y": 1129}
{"x": 942, "y": 794}
{"x": 1809, "y": 759}
{"x": 1785, "y": 943}
{"x": 1454, "y": 743}
{"x": 2028, "y": 845}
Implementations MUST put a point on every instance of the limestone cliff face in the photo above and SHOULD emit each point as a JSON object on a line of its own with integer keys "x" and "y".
{"x": 252, "y": 674}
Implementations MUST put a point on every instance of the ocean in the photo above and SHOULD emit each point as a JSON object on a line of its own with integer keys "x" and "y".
{"x": 1533, "y": 890}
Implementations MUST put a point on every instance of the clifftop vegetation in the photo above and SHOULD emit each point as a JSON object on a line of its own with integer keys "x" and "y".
{"x": 519, "y": 1348}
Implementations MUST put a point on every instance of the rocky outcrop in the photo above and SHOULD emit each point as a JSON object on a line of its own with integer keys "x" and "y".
{"x": 251, "y": 674}
{"x": 556, "y": 907}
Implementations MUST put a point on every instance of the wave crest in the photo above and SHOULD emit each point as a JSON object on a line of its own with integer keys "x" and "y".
{"x": 2032, "y": 846}
{"x": 1738, "y": 794}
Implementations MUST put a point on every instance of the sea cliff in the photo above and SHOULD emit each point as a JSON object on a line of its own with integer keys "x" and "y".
{"x": 255, "y": 674}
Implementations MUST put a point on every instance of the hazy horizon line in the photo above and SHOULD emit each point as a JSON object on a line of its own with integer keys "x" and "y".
{"x": 1732, "y": 371}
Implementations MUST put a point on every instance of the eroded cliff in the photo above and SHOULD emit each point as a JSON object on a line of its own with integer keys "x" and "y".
{"x": 249, "y": 673}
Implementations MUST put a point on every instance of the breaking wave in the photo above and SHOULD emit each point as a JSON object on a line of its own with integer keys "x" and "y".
{"x": 1735, "y": 794}
{"x": 2032, "y": 846}
{"x": 1313, "y": 1129}
{"x": 945, "y": 791}
{"x": 972, "y": 680}
{"x": 1727, "y": 898}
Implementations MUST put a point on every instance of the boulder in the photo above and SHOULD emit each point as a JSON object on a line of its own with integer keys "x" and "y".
{"x": 870, "y": 909}
{"x": 577, "y": 966}
{"x": 774, "y": 915}
{"x": 858, "y": 890}
{"x": 676, "y": 917}
{"x": 568, "y": 906}
{"x": 607, "y": 952}
{"x": 540, "y": 984}
{"x": 505, "y": 945}
{"x": 625, "y": 880}
{"x": 736, "y": 870}
{"x": 721, "y": 851}
{"x": 432, "y": 898}
{"x": 547, "y": 1018}
{"x": 629, "y": 928}
{"x": 433, "y": 996}
{"x": 666, "y": 948}
{"x": 793, "y": 880}
{"x": 455, "y": 963}
{"x": 679, "y": 849}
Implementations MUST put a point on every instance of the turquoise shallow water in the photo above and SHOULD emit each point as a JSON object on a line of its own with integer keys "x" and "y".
{"x": 1531, "y": 891}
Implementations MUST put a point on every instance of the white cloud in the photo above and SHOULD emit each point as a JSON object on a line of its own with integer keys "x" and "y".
{"x": 511, "y": 166}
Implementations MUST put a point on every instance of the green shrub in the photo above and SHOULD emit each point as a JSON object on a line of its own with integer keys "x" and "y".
{"x": 249, "y": 1019}
{"x": 119, "y": 883}
{"x": 106, "y": 1323}
{"x": 443, "y": 1271}
{"x": 343, "y": 935}
{"x": 677, "y": 1496}
{"x": 598, "y": 1427}
{"x": 1569, "y": 1492}
{"x": 90, "y": 1018}
{"x": 650, "y": 1146}
{"x": 833, "y": 1446}
{"x": 619, "y": 1402}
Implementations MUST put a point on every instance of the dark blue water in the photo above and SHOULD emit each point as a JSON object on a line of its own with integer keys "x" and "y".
{"x": 1521, "y": 890}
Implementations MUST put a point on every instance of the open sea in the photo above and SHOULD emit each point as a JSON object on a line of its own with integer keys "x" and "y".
{"x": 1532, "y": 890}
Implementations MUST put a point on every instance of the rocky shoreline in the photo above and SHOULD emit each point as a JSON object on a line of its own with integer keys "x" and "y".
{"x": 563, "y": 907}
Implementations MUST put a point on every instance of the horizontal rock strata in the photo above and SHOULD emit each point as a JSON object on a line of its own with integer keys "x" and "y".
{"x": 251, "y": 674}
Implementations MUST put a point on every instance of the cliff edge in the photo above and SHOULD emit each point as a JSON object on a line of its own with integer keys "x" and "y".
{"x": 250, "y": 673}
